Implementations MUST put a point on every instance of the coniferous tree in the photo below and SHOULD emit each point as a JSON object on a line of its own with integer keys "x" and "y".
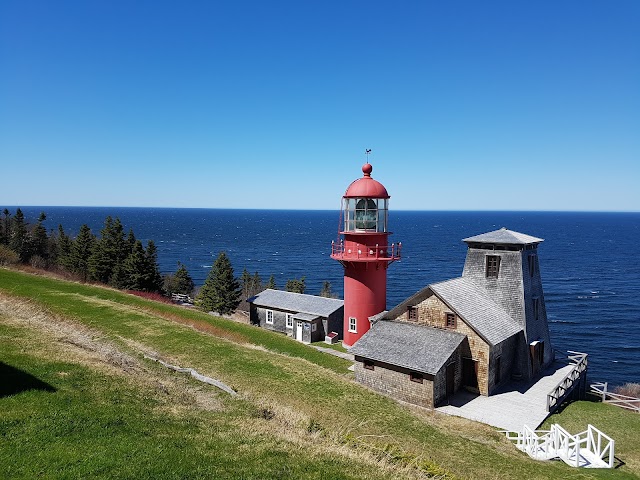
{"x": 251, "y": 285}
{"x": 180, "y": 282}
{"x": 105, "y": 264}
{"x": 64, "y": 249}
{"x": 296, "y": 285}
{"x": 271, "y": 283}
{"x": 326, "y": 290}
{"x": 135, "y": 270}
{"x": 52, "y": 248}
{"x": 130, "y": 242}
{"x": 153, "y": 276}
{"x": 256, "y": 284}
{"x": 80, "y": 252}
{"x": 39, "y": 239}
{"x": 19, "y": 241}
{"x": 245, "y": 288}
{"x": 220, "y": 292}
{"x": 5, "y": 230}
{"x": 184, "y": 282}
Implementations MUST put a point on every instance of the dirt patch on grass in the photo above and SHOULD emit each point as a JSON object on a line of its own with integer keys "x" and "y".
{"x": 199, "y": 325}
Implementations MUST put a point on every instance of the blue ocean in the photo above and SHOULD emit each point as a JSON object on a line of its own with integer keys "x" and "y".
{"x": 589, "y": 262}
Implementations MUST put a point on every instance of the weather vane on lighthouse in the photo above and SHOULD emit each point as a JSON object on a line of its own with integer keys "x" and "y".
{"x": 367, "y": 152}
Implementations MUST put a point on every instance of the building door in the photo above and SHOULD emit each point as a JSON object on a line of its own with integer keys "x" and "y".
{"x": 470, "y": 373}
{"x": 536, "y": 349}
{"x": 299, "y": 331}
{"x": 451, "y": 379}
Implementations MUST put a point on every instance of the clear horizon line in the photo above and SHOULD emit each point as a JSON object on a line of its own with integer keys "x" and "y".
{"x": 321, "y": 209}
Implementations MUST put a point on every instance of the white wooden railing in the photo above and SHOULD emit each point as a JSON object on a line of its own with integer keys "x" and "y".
{"x": 561, "y": 391}
{"x": 591, "y": 448}
{"x": 623, "y": 401}
{"x": 181, "y": 297}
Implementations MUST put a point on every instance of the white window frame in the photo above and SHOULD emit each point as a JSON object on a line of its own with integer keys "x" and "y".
{"x": 268, "y": 314}
{"x": 290, "y": 320}
{"x": 353, "y": 325}
{"x": 314, "y": 327}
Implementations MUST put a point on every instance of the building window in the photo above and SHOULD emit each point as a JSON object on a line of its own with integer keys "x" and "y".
{"x": 536, "y": 308}
{"x": 493, "y": 266}
{"x": 532, "y": 264}
{"x": 451, "y": 320}
{"x": 413, "y": 313}
{"x": 289, "y": 320}
{"x": 416, "y": 377}
{"x": 314, "y": 327}
{"x": 269, "y": 320}
{"x": 368, "y": 365}
{"x": 352, "y": 325}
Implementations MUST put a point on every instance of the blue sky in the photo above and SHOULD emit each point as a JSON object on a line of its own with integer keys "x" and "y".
{"x": 466, "y": 105}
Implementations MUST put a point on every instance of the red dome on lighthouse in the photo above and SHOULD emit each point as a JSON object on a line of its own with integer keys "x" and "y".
{"x": 366, "y": 186}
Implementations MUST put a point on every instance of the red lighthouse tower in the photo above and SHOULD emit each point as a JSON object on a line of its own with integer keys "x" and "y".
{"x": 364, "y": 252}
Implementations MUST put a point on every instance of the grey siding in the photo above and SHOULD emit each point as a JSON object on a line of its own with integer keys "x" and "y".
{"x": 515, "y": 290}
{"x": 394, "y": 382}
{"x": 279, "y": 319}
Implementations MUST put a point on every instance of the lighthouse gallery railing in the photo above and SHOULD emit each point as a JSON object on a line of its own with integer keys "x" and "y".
{"x": 381, "y": 252}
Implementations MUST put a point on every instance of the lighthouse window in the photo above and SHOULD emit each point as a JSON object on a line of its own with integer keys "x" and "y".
{"x": 269, "y": 319}
{"x": 352, "y": 325}
{"x": 536, "y": 308}
{"x": 493, "y": 266}
{"x": 532, "y": 264}
{"x": 366, "y": 214}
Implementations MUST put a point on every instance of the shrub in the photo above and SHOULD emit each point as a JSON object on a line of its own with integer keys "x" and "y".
{"x": 156, "y": 297}
{"x": 8, "y": 256}
{"x": 628, "y": 389}
{"x": 38, "y": 262}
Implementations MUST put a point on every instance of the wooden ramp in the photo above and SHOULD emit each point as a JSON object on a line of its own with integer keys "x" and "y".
{"x": 514, "y": 406}
{"x": 588, "y": 449}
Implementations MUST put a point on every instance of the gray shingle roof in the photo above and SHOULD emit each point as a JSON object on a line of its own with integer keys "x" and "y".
{"x": 476, "y": 308}
{"x": 504, "y": 236}
{"x": 409, "y": 345}
{"x": 296, "y": 302}
{"x": 306, "y": 317}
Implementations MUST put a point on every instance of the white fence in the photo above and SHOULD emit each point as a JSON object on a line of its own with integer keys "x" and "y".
{"x": 590, "y": 449}
{"x": 180, "y": 297}
{"x": 623, "y": 401}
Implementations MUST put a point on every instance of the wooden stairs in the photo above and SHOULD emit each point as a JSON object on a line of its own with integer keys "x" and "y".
{"x": 588, "y": 449}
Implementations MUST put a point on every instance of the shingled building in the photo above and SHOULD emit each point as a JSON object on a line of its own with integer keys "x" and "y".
{"x": 473, "y": 332}
{"x": 306, "y": 318}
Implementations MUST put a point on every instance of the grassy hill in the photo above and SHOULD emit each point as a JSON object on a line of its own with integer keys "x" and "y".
{"x": 78, "y": 399}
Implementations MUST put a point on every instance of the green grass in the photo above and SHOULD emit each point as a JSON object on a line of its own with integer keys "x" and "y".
{"x": 623, "y": 426}
{"x": 294, "y": 381}
{"x": 88, "y": 424}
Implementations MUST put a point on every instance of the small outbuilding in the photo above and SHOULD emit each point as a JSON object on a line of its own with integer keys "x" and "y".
{"x": 306, "y": 318}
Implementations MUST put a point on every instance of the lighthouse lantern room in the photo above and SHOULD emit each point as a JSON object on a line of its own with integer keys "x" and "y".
{"x": 363, "y": 250}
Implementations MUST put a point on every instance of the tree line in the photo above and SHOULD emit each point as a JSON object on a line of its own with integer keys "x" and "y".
{"x": 112, "y": 258}
{"x": 121, "y": 261}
